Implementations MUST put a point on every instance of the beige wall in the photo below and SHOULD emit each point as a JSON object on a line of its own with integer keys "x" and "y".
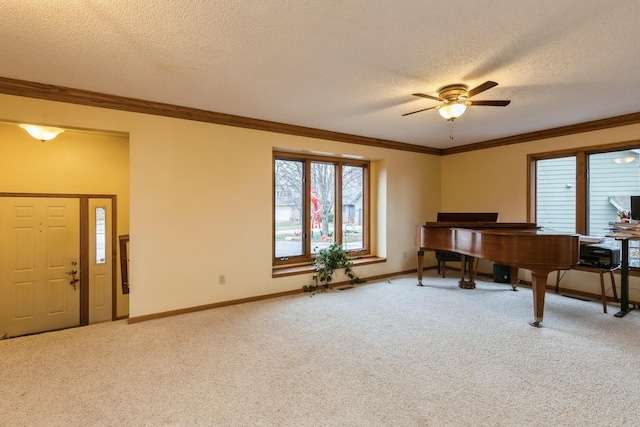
{"x": 77, "y": 162}
{"x": 495, "y": 180}
{"x": 201, "y": 199}
{"x": 201, "y": 203}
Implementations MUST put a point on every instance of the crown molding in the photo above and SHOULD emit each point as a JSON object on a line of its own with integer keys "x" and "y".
{"x": 624, "y": 120}
{"x": 95, "y": 99}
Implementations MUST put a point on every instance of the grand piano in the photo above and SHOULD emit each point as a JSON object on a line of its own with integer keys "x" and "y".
{"x": 517, "y": 245}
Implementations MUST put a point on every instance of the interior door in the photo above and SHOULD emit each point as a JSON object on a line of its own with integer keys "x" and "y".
{"x": 39, "y": 256}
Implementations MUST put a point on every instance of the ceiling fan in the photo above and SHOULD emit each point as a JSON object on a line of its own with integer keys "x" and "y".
{"x": 455, "y": 100}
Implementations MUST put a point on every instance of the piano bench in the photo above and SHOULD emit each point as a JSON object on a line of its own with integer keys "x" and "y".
{"x": 601, "y": 272}
{"x": 445, "y": 256}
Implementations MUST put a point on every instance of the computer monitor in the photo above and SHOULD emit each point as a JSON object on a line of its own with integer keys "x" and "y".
{"x": 635, "y": 207}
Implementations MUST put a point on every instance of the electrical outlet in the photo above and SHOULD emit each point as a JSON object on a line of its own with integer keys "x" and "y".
{"x": 222, "y": 279}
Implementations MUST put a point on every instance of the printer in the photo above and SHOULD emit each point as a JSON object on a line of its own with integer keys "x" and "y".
{"x": 599, "y": 256}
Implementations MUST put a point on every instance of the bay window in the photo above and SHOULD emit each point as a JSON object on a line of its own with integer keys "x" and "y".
{"x": 318, "y": 201}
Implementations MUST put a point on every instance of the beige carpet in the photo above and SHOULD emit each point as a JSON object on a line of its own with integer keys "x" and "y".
{"x": 382, "y": 354}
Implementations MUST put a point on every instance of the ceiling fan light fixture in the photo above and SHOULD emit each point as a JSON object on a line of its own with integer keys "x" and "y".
{"x": 454, "y": 100}
{"x": 452, "y": 110}
{"x": 42, "y": 133}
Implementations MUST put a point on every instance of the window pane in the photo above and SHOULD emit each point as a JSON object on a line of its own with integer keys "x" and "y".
{"x": 322, "y": 212}
{"x": 289, "y": 236}
{"x": 352, "y": 193}
{"x": 613, "y": 178}
{"x": 556, "y": 194}
{"x": 101, "y": 242}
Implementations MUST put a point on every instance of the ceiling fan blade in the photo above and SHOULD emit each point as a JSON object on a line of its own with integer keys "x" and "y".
{"x": 484, "y": 86}
{"x": 427, "y": 96}
{"x": 491, "y": 103}
{"x": 419, "y": 111}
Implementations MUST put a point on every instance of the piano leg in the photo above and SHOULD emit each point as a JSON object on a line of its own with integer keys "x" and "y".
{"x": 420, "y": 267}
{"x": 466, "y": 270}
{"x": 539, "y": 287}
{"x": 513, "y": 275}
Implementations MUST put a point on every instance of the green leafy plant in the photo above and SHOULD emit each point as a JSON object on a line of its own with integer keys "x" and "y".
{"x": 327, "y": 261}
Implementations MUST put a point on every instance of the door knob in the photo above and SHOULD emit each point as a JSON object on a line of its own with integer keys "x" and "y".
{"x": 73, "y": 273}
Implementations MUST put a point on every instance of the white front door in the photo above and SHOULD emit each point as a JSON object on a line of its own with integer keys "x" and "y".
{"x": 39, "y": 251}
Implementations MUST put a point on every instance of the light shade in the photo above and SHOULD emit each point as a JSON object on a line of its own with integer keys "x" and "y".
{"x": 452, "y": 110}
{"x": 43, "y": 133}
{"x": 626, "y": 157}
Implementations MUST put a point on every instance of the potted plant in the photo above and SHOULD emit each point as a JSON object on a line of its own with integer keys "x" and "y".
{"x": 625, "y": 216}
{"x": 327, "y": 261}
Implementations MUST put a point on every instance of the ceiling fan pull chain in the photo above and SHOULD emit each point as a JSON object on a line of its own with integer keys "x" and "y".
{"x": 450, "y": 129}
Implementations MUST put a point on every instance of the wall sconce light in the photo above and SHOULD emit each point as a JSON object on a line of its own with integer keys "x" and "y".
{"x": 43, "y": 133}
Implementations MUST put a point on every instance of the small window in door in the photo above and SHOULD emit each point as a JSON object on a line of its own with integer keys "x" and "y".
{"x": 101, "y": 247}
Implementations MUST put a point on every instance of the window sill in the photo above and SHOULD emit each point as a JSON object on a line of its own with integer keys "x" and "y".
{"x": 306, "y": 269}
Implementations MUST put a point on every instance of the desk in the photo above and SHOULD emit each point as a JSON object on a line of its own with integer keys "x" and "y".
{"x": 624, "y": 277}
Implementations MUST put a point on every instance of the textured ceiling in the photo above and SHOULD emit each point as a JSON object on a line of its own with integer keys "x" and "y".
{"x": 343, "y": 66}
